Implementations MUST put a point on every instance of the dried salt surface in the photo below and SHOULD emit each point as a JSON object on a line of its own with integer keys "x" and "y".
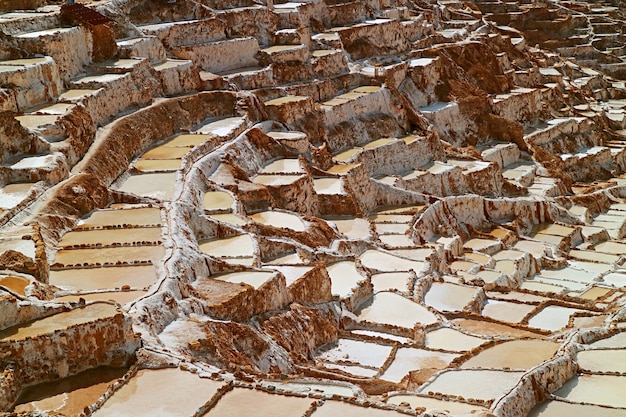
{"x": 451, "y": 340}
{"x": 470, "y": 383}
{"x": 244, "y": 402}
{"x": 555, "y": 408}
{"x": 344, "y": 277}
{"x": 356, "y": 352}
{"x": 336, "y": 408}
{"x": 411, "y": 359}
{"x": 515, "y": 354}
{"x": 163, "y": 392}
{"x": 394, "y": 309}
{"x": 595, "y": 389}
{"x": 157, "y": 185}
{"x": 602, "y": 360}
{"x": 452, "y": 407}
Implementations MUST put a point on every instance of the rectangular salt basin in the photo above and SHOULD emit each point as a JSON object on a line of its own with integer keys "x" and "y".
{"x": 353, "y": 228}
{"x": 602, "y": 360}
{"x": 356, "y": 352}
{"x": 89, "y": 279}
{"x": 449, "y": 297}
{"x": 514, "y": 354}
{"x": 451, "y": 340}
{"x": 292, "y": 273}
{"x": 412, "y": 359}
{"x": 157, "y": 165}
{"x": 101, "y": 256}
{"x": 59, "y": 321}
{"x": 396, "y": 310}
{"x": 145, "y": 216}
{"x": 247, "y": 402}
{"x": 386, "y": 281}
{"x": 158, "y": 185}
{"x": 552, "y": 318}
{"x": 336, "y": 408}
{"x": 164, "y": 392}
{"x": 254, "y": 278}
{"x": 480, "y": 384}
{"x": 453, "y": 407}
{"x": 385, "y": 262}
{"x": 555, "y": 408}
{"x": 13, "y": 194}
{"x": 109, "y": 237}
{"x": 595, "y": 389}
{"x": 120, "y": 297}
{"x": 507, "y": 311}
{"x": 344, "y": 277}
{"x": 242, "y": 245}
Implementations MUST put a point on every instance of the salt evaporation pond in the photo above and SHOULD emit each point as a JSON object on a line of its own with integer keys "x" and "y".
{"x": 449, "y": 297}
{"x": 413, "y": 359}
{"x": 344, "y": 277}
{"x": 385, "y": 262}
{"x": 15, "y": 284}
{"x": 595, "y": 389}
{"x": 552, "y": 318}
{"x": 556, "y": 408}
{"x": 506, "y": 311}
{"x": 241, "y": 245}
{"x": 279, "y": 219}
{"x": 452, "y": 407}
{"x": 158, "y": 185}
{"x": 602, "y": 360}
{"x": 87, "y": 279}
{"x": 355, "y": 351}
{"x": 217, "y": 200}
{"x": 479, "y": 384}
{"x": 451, "y": 340}
{"x": 143, "y": 216}
{"x": 391, "y": 281}
{"x": 108, "y": 237}
{"x": 246, "y": 402}
{"x": 336, "y": 408}
{"x": 253, "y": 278}
{"x": 514, "y": 354}
{"x": 111, "y": 256}
{"x": 394, "y": 309}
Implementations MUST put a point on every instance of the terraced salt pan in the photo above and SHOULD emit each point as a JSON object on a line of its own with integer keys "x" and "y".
{"x": 552, "y": 318}
{"x": 89, "y": 279}
{"x": 253, "y": 278}
{"x": 390, "y": 228}
{"x": 602, "y": 360}
{"x": 146, "y": 235}
{"x": 484, "y": 328}
{"x": 479, "y": 384}
{"x": 507, "y": 311}
{"x": 147, "y": 216}
{"x": 391, "y": 281}
{"x": 69, "y": 396}
{"x": 594, "y": 293}
{"x": 452, "y": 407}
{"x": 446, "y": 297}
{"x": 328, "y": 389}
{"x": 188, "y": 140}
{"x": 328, "y": 186}
{"x": 150, "y": 393}
{"x": 242, "y": 245}
{"x": 353, "y": 228}
{"x": 372, "y": 333}
{"x": 276, "y": 180}
{"x": 615, "y": 341}
{"x": 154, "y": 185}
{"x": 157, "y": 165}
{"x": 229, "y": 218}
{"x": 394, "y": 309}
{"x": 59, "y": 321}
{"x": 412, "y": 359}
{"x": 165, "y": 152}
{"x": 357, "y": 352}
{"x": 109, "y": 256}
{"x": 595, "y": 389}
{"x": 586, "y": 255}
{"x": 344, "y": 277}
{"x": 120, "y": 297}
{"x": 336, "y": 408}
{"x": 514, "y": 354}
{"x": 223, "y": 127}
{"x": 25, "y": 247}
{"x": 451, "y": 340}
{"x": 279, "y": 219}
{"x": 397, "y": 241}
{"x": 217, "y": 200}
{"x": 554, "y": 408}
{"x": 385, "y": 262}
{"x": 13, "y": 194}
{"x": 283, "y": 166}
{"x": 292, "y": 273}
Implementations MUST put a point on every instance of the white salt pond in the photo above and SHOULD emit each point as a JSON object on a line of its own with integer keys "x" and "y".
{"x": 469, "y": 383}
{"x": 394, "y": 309}
{"x": 144, "y": 216}
{"x": 506, "y": 311}
{"x": 392, "y": 281}
{"x": 449, "y": 297}
{"x": 328, "y": 186}
{"x": 344, "y": 277}
{"x": 242, "y": 245}
{"x": 385, "y": 262}
{"x": 253, "y": 278}
{"x": 110, "y": 256}
{"x": 353, "y": 228}
{"x": 217, "y": 200}
{"x": 602, "y": 360}
{"x": 355, "y": 351}
{"x": 336, "y": 408}
{"x": 514, "y": 354}
{"x": 555, "y": 408}
{"x": 595, "y": 389}
{"x": 412, "y": 359}
{"x": 617, "y": 340}
{"x": 279, "y": 219}
{"x": 154, "y": 185}
{"x": 88, "y": 279}
{"x": 151, "y": 393}
{"x": 110, "y": 237}
{"x": 451, "y": 340}
{"x": 13, "y": 194}
{"x": 552, "y": 318}
{"x": 452, "y": 407}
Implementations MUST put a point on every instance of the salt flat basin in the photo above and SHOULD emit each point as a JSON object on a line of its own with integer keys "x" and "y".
{"x": 391, "y": 281}
{"x": 477, "y": 257}
{"x": 602, "y": 360}
{"x": 610, "y": 247}
{"x": 514, "y": 354}
{"x": 479, "y": 384}
{"x": 552, "y": 318}
{"x": 356, "y": 352}
{"x": 595, "y": 389}
{"x": 344, "y": 277}
{"x": 151, "y": 392}
{"x": 157, "y": 165}
{"x": 188, "y": 140}
{"x": 121, "y": 297}
{"x": 102, "y": 256}
{"x": 292, "y": 273}
{"x": 616, "y": 279}
{"x": 397, "y": 241}
{"x": 69, "y": 396}
{"x": 276, "y": 180}
{"x": 385, "y": 262}
{"x": 89, "y": 279}
{"x": 593, "y": 256}
{"x": 15, "y": 284}
{"x": 72, "y": 95}
{"x": 246, "y": 402}
{"x": 555, "y": 408}
{"x": 60, "y": 321}
{"x": 416, "y": 254}
{"x": 279, "y": 219}
{"x": 13, "y": 194}
{"x": 484, "y": 328}
{"x": 283, "y": 166}
{"x": 355, "y": 370}
{"x": 452, "y": 407}
{"x": 109, "y": 237}
{"x": 373, "y": 333}
{"x": 222, "y": 127}
{"x": 218, "y": 200}
{"x": 412, "y": 359}
{"x": 507, "y": 311}
{"x": 451, "y": 340}
{"x": 449, "y": 297}
{"x": 553, "y": 229}
{"x": 229, "y": 218}
{"x": 328, "y": 186}
{"x": 242, "y": 245}
{"x": 391, "y": 228}
{"x": 353, "y": 228}
{"x": 154, "y": 185}
{"x": 594, "y": 293}
{"x": 394, "y": 309}
{"x": 326, "y": 388}
{"x": 336, "y": 408}
{"x": 482, "y": 245}
{"x": 391, "y": 218}
{"x": 569, "y": 274}
{"x": 144, "y": 216}
{"x": 536, "y": 249}
{"x": 253, "y": 278}
{"x": 165, "y": 152}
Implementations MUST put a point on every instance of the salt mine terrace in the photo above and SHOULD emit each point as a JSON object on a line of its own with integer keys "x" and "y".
{"x": 312, "y": 208}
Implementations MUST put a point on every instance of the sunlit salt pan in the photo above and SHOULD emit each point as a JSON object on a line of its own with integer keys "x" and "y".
{"x": 452, "y": 407}
{"x": 344, "y": 277}
{"x": 354, "y": 228}
{"x": 452, "y": 340}
{"x": 449, "y": 297}
{"x": 391, "y": 281}
{"x": 411, "y": 359}
{"x": 515, "y": 354}
{"x": 394, "y": 309}
{"x": 158, "y": 185}
{"x": 217, "y": 200}
{"x": 279, "y": 219}
{"x": 253, "y": 278}
{"x": 479, "y": 384}
{"x": 381, "y": 261}
{"x": 552, "y": 318}
{"x": 357, "y": 352}
{"x": 13, "y": 194}
{"x": 605, "y": 360}
{"x": 242, "y": 245}
{"x": 595, "y": 389}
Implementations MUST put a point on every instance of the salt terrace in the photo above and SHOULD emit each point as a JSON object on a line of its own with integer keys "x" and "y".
{"x": 313, "y": 208}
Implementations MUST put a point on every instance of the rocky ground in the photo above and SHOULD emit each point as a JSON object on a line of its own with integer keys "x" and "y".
{"x": 365, "y": 208}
